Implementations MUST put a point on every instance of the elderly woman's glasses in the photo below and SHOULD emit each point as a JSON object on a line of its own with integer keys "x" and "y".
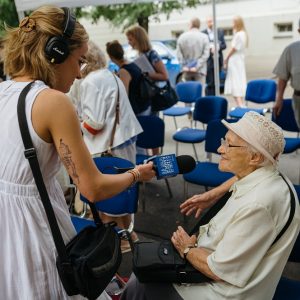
{"x": 226, "y": 145}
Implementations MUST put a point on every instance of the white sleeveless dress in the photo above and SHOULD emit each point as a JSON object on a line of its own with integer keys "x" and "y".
{"x": 27, "y": 250}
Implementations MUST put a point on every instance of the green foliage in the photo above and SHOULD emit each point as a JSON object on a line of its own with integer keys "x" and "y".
{"x": 8, "y": 14}
{"x": 127, "y": 14}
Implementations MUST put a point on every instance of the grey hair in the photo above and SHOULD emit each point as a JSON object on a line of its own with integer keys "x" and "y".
{"x": 265, "y": 162}
{"x": 95, "y": 57}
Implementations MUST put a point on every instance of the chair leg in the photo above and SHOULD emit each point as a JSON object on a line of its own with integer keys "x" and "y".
{"x": 143, "y": 196}
{"x": 185, "y": 190}
{"x": 175, "y": 122}
{"x": 83, "y": 214}
{"x": 185, "y": 194}
{"x": 176, "y": 149}
{"x": 196, "y": 156}
{"x": 169, "y": 189}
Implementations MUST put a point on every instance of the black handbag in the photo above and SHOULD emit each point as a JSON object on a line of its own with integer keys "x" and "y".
{"x": 164, "y": 98}
{"x": 90, "y": 260}
{"x": 161, "y": 262}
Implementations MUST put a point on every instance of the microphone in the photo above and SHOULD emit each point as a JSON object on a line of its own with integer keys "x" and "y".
{"x": 168, "y": 165}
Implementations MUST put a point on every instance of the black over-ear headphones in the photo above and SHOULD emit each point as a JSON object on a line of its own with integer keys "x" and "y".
{"x": 57, "y": 47}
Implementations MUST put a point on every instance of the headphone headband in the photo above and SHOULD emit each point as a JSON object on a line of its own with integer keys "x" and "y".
{"x": 70, "y": 21}
{"x": 57, "y": 47}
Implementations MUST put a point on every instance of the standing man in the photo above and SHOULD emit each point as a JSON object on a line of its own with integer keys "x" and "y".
{"x": 210, "y": 79}
{"x": 288, "y": 67}
{"x": 193, "y": 52}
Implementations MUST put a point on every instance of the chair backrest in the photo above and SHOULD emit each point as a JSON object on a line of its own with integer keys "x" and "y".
{"x": 153, "y": 135}
{"x": 286, "y": 120}
{"x": 124, "y": 202}
{"x": 210, "y": 108}
{"x": 261, "y": 91}
{"x": 80, "y": 223}
{"x": 214, "y": 133}
{"x": 189, "y": 91}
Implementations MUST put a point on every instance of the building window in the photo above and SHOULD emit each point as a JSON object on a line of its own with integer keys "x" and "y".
{"x": 284, "y": 27}
{"x": 228, "y": 33}
{"x": 282, "y": 30}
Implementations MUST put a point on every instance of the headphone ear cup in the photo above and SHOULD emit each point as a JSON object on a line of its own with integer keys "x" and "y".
{"x": 57, "y": 49}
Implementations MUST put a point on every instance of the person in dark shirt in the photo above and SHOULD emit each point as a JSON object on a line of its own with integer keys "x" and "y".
{"x": 130, "y": 74}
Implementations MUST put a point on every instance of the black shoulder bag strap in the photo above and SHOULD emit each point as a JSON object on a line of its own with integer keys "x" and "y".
{"x": 292, "y": 212}
{"x": 219, "y": 205}
{"x": 31, "y": 155}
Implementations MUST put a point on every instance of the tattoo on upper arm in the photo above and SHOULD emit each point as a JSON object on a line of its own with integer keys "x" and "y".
{"x": 67, "y": 160}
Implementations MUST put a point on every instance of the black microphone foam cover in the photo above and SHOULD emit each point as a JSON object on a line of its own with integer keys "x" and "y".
{"x": 186, "y": 163}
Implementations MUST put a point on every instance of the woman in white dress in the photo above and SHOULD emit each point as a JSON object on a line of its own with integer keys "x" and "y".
{"x": 236, "y": 82}
{"x": 49, "y": 48}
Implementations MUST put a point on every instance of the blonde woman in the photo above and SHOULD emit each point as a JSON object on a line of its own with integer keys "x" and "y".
{"x": 236, "y": 82}
{"x": 27, "y": 251}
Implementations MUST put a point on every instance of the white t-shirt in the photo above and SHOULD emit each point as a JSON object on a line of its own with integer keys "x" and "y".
{"x": 240, "y": 238}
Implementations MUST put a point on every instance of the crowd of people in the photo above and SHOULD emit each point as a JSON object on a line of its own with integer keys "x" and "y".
{"x": 77, "y": 109}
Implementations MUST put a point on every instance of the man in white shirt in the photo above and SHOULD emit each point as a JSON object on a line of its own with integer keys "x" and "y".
{"x": 193, "y": 52}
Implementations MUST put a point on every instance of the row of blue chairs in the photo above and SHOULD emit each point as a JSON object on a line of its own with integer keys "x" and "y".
{"x": 260, "y": 91}
{"x": 205, "y": 109}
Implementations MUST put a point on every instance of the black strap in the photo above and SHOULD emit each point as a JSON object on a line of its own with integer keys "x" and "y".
{"x": 292, "y": 213}
{"x": 31, "y": 155}
{"x": 219, "y": 205}
{"x": 117, "y": 117}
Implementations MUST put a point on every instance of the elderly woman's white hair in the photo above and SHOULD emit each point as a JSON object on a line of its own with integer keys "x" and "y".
{"x": 263, "y": 135}
{"x": 95, "y": 58}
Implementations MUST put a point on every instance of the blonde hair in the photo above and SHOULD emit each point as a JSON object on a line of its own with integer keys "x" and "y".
{"x": 24, "y": 50}
{"x": 239, "y": 23}
{"x": 141, "y": 37}
{"x": 95, "y": 58}
{"x": 240, "y": 26}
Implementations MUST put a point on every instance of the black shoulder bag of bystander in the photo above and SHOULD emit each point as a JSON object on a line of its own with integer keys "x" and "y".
{"x": 90, "y": 260}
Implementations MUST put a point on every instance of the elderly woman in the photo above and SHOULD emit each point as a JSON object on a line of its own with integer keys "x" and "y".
{"x": 235, "y": 249}
{"x": 106, "y": 117}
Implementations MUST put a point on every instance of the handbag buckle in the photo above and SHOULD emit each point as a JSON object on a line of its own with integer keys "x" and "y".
{"x": 30, "y": 153}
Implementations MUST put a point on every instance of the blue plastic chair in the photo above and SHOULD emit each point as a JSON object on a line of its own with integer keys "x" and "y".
{"x": 125, "y": 202}
{"x": 207, "y": 173}
{"x": 188, "y": 92}
{"x": 258, "y": 91}
{"x": 80, "y": 223}
{"x": 286, "y": 120}
{"x": 153, "y": 136}
{"x": 206, "y": 109}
